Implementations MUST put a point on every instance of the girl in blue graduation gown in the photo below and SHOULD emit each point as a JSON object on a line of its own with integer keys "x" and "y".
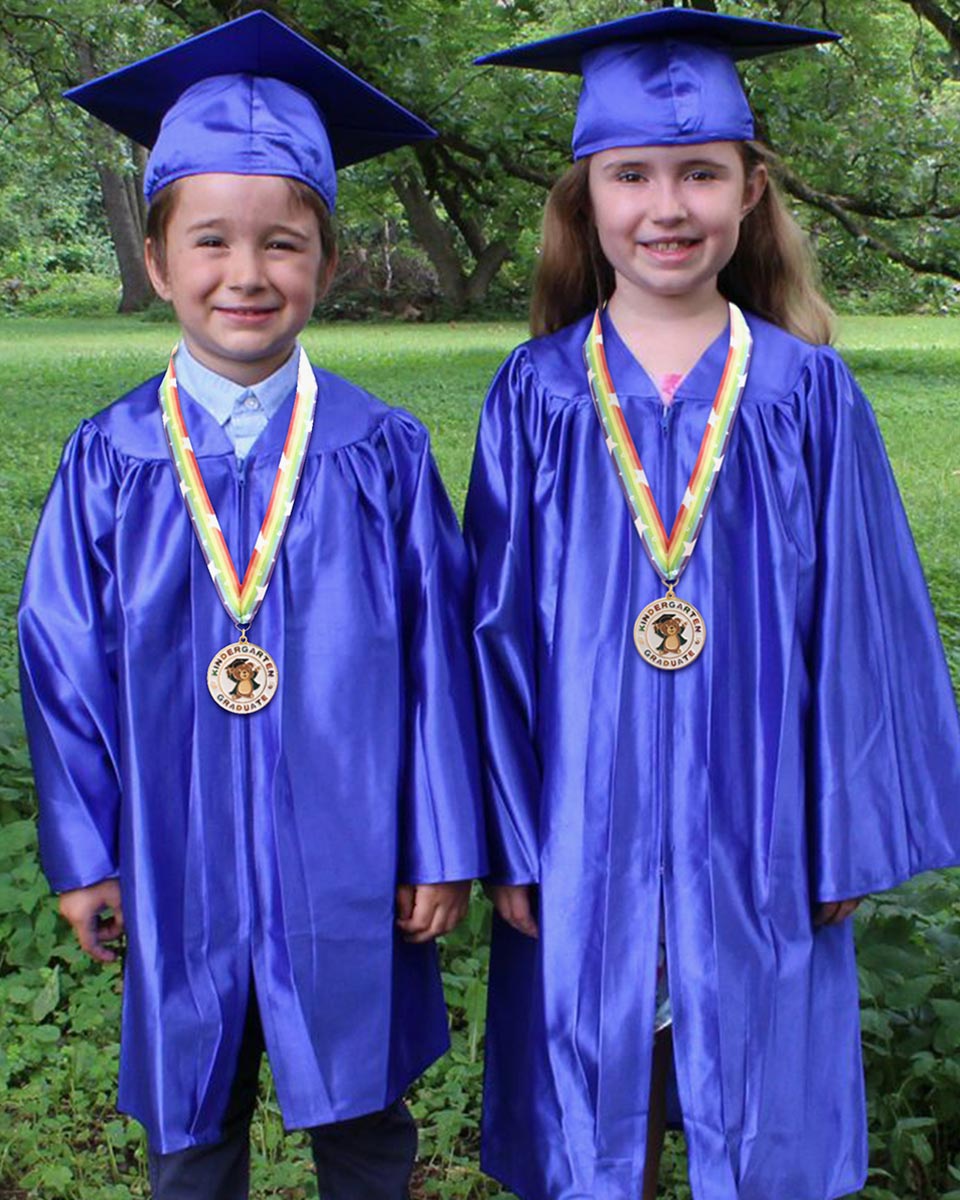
{"x": 725, "y": 814}
{"x": 261, "y": 863}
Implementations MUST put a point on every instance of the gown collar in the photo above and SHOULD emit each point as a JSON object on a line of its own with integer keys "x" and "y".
{"x": 630, "y": 379}
{"x": 209, "y": 439}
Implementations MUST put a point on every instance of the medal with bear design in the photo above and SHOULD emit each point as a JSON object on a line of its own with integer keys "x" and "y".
{"x": 669, "y": 632}
{"x": 242, "y": 677}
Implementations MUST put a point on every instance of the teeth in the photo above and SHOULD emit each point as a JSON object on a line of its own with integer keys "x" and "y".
{"x": 668, "y": 245}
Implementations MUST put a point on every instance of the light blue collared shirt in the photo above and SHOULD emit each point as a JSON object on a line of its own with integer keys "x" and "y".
{"x": 242, "y": 412}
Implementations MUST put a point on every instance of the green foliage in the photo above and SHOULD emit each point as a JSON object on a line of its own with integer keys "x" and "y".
{"x": 65, "y": 295}
{"x": 60, "y": 1137}
{"x": 867, "y": 124}
{"x": 909, "y": 959}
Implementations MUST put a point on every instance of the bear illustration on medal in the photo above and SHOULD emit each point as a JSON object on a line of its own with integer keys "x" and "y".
{"x": 242, "y": 677}
{"x": 669, "y": 633}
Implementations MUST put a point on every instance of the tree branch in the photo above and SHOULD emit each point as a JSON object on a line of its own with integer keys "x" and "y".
{"x": 865, "y": 207}
{"x": 483, "y": 154}
{"x": 862, "y": 232}
{"x": 947, "y": 26}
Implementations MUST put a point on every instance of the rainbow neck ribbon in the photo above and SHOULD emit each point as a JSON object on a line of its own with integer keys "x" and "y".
{"x": 670, "y": 556}
{"x": 241, "y": 600}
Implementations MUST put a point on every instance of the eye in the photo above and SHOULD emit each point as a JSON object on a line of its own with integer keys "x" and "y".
{"x": 701, "y": 175}
{"x": 210, "y": 240}
{"x": 630, "y": 175}
{"x": 281, "y": 244}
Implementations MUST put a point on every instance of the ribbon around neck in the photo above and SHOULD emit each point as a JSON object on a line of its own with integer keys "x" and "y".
{"x": 242, "y": 600}
{"x": 670, "y": 555}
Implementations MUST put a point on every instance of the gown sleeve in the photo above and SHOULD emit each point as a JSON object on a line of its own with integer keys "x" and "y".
{"x": 497, "y": 525}
{"x": 67, "y": 676}
{"x": 441, "y": 819}
{"x": 885, "y": 737}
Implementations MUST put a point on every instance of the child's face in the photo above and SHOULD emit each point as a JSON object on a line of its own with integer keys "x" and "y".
{"x": 668, "y": 217}
{"x": 242, "y": 268}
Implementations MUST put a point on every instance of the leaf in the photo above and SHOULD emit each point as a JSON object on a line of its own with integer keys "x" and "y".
{"x": 46, "y": 1033}
{"x": 16, "y": 836}
{"x": 907, "y": 1123}
{"x": 947, "y": 1034}
{"x": 875, "y": 1021}
{"x": 909, "y": 993}
{"x": 890, "y": 959}
{"x": 47, "y": 999}
{"x": 924, "y": 1064}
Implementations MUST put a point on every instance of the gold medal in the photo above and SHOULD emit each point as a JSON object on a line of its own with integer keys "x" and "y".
{"x": 242, "y": 677}
{"x": 669, "y": 633}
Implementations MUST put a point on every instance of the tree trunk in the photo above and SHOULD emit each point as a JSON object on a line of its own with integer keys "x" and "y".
{"x": 488, "y": 264}
{"x": 126, "y": 232}
{"x": 434, "y": 237}
{"x": 122, "y": 204}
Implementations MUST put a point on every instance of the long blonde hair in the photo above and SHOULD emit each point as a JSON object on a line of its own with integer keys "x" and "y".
{"x": 773, "y": 272}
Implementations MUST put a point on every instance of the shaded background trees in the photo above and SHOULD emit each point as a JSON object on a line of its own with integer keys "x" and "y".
{"x": 867, "y": 132}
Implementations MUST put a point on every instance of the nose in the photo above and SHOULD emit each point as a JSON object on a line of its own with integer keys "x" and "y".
{"x": 246, "y": 270}
{"x": 668, "y": 206}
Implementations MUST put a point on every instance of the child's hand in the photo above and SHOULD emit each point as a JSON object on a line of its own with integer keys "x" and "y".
{"x": 835, "y": 912}
{"x": 426, "y": 910}
{"x": 82, "y": 908}
{"x": 514, "y": 902}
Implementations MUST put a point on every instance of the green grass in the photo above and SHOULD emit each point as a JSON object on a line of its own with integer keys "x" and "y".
{"x": 59, "y": 1136}
{"x": 910, "y": 369}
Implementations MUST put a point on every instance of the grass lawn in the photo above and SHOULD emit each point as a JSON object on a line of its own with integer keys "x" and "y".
{"x": 60, "y": 1138}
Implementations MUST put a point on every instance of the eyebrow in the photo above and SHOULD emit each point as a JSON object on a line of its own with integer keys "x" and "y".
{"x": 272, "y": 231}
{"x": 288, "y": 231}
{"x": 685, "y": 164}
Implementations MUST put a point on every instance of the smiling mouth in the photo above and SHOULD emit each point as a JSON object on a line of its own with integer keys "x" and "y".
{"x": 244, "y": 311}
{"x": 250, "y": 315}
{"x": 673, "y": 244}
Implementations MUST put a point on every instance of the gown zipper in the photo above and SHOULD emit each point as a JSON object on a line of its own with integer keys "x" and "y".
{"x": 241, "y": 724}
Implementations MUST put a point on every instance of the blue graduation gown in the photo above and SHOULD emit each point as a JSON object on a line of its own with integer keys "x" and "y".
{"x": 267, "y": 847}
{"x": 812, "y": 753}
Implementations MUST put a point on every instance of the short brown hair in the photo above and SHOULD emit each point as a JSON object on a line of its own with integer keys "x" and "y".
{"x": 164, "y": 202}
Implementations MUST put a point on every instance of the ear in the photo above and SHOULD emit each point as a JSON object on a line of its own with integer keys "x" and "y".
{"x": 753, "y": 188}
{"x": 156, "y": 269}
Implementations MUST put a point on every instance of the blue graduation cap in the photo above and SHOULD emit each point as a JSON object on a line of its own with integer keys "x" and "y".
{"x": 250, "y": 97}
{"x": 660, "y": 78}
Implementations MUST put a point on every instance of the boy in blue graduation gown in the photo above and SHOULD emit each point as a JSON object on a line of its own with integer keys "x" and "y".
{"x": 259, "y": 856}
{"x": 729, "y": 811}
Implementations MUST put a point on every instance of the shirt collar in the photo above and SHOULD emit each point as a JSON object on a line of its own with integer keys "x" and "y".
{"x": 218, "y": 395}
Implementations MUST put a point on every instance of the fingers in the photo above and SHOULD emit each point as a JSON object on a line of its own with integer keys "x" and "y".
{"x": 835, "y": 912}
{"x": 404, "y": 901}
{"x": 514, "y": 903}
{"x": 437, "y": 909}
{"x": 84, "y": 909}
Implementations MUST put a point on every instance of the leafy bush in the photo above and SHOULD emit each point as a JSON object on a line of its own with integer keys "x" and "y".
{"x": 909, "y": 960}
{"x": 69, "y": 295}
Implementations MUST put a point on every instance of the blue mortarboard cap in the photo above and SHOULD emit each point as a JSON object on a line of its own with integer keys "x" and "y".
{"x": 660, "y": 78}
{"x": 250, "y": 97}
